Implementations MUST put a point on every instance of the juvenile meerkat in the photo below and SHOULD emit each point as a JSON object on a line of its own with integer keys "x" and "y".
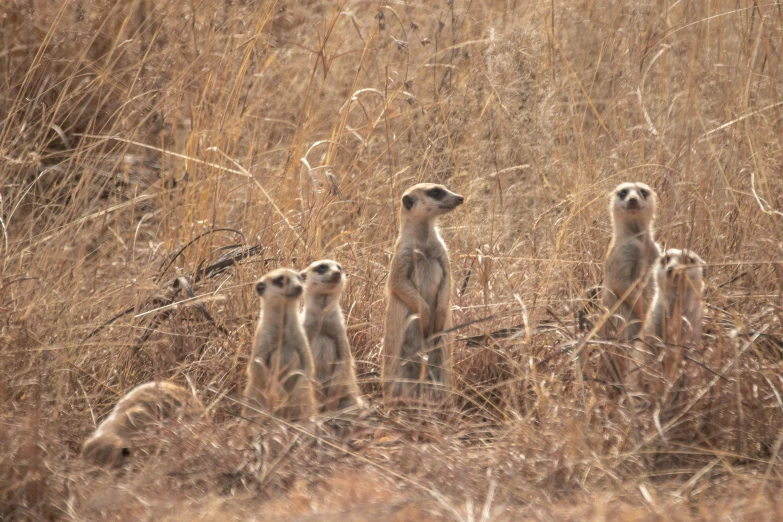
{"x": 280, "y": 371}
{"x": 142, "y": 408}
{"x": 324, "y": 325}
{"x": 677, "y": 312}
{"x": 419, "y": 294}
{"x": 631, "y": 259}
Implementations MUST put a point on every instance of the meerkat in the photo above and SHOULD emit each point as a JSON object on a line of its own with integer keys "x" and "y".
{"x": 145, "y": 406}
{"x": 677, "y": 312}
{"x": 630, "y": 260}
{"x": 280, "y": 371}
{"x": 419, "y": 297}
{"x": 335, "y": 376}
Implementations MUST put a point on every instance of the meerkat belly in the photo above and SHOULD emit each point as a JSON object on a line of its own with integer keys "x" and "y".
{"x": 285, "y": 363}
{"x": 324, "y": 350}
{"x": 428, "y": 276}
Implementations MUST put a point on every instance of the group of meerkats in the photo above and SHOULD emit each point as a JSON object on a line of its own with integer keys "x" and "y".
{"x": 301, "y": 363}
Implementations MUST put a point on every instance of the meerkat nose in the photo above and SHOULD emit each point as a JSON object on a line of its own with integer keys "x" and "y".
{"x": 633, "y": 202}
{"x": 460, "y": 200}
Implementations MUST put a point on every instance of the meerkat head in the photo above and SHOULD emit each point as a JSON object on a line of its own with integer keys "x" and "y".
{"x": 323, "y": 277}
{"x": 105, "y": 451}
{"x": 680, "y": 267}
{"x": 282, "y": 284}
{"x": 426, "y": 201}
{"x": 632, "y": 202}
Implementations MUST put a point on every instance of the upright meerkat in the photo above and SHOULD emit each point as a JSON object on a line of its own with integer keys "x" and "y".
{"x": 419, "y": 293}
{"x": 280, "y": 371}
{"x": 140, "y": 410}
{"x": 324, "y": 325}
{"x": 631, "y": 259}
{"x": 677, "y": 312}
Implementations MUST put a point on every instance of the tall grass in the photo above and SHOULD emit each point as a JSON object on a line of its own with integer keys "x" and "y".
{"x": 151, "y": 152}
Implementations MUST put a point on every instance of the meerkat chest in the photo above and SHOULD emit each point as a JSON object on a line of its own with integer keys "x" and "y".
{"x": 427, "y": 275}
{"x": 324, "y": 349}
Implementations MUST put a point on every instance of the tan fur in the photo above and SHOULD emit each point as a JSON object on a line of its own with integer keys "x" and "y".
{"x": 140, "y": 410}
{"x": 280, "y": 371}
{"x": 677, "y": 312}
{"x": 324, "y": 325}
{"x": 419, "y": 293}
{"x": 630, "y": 260}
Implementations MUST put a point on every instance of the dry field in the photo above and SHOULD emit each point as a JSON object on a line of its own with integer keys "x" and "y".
{"x": 156, "y": 157}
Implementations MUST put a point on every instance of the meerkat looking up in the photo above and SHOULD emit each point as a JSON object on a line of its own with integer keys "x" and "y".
{"x": 139, "y": 411}
{"x": 419, "y": 297}
{"x": 677, "y": 311}
{"x": 280, "y": 370}
{"x": 324, "y": 325}
{"x": 630, "y": 259}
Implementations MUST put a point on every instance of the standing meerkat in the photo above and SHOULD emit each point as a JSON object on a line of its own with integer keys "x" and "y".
{"x": 419, "y": 294}
{"x": 324, "y": 325}
{"x": 140, "y": 410}
{"x": 677, "y": 312}
{"x": 631, "y": 259}
{"x": 280, "y": 370}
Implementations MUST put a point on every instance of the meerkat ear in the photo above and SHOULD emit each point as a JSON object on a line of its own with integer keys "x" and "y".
{"x": 303, "y": 275}
{"x": 408, "y": 201}
{"x": 260, "y": 287}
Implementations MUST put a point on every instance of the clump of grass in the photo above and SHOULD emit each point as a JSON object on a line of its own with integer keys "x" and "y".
{"x": 151, "y": 165}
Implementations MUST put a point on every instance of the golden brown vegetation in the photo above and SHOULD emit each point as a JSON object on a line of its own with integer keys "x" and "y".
{"x": 151, "y": 164}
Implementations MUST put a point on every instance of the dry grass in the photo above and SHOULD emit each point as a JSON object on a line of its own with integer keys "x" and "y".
{"x": 145, "y": 145}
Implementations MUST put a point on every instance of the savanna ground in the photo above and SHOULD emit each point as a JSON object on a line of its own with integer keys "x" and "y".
{"x": 153, "y": 152}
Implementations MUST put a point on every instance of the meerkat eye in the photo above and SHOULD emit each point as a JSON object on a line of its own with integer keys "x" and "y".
{"x": 622, "y": 193}
{"x": 278, "y": 281}
{"x": 322, "y": 268}
{"x": 645, "y": 193}
{"x": 436, "y": 193}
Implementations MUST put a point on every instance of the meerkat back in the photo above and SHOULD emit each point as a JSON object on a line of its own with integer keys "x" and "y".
{"x": 419, "y": 297}
{"x": 142, "y": 408}
{"x": 324, "y": 324}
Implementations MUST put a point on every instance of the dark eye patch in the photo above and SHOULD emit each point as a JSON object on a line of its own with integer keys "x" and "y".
{"x": 322, "y": 268}
{"x": 622, "y": 193}
{"x": 340, "y": 268}
{"x": 644, "y": 193}
{"x": 278, "y": 281}
{"x": 436, "y": 193}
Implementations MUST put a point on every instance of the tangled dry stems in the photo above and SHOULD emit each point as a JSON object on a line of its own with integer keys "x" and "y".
{"x": 144, "y": 142}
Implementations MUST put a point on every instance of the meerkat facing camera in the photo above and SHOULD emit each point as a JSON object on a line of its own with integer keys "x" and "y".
{"x": 630, "y": 259}
{"x": 419, "y": 297}
{"x": 280, "y": 370}
{"x": 677, "y": 312}
{"x": 336, "y": 387}
{"x": 141, "y": 409}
